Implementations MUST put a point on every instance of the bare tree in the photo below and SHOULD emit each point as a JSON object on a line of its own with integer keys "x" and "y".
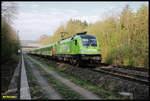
{"x": 9, "y": 10}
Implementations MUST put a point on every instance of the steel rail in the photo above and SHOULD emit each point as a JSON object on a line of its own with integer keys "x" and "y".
{"x": 127, "y": 77}
{"x": 124, "y": 73}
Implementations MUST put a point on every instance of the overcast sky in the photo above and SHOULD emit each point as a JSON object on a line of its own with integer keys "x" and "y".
{"x": 37, "y": 18}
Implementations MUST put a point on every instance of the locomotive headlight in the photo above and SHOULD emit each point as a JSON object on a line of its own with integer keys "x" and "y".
{"x": 82, "y": 51}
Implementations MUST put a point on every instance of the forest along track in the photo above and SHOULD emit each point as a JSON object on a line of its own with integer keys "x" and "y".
{"x": 123, "y": 74}
{"x": 52, "y": 94}
{"x": 85, "y": 93}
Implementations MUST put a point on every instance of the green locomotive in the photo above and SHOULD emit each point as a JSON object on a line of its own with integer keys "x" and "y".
{"x": 80, "y": 48}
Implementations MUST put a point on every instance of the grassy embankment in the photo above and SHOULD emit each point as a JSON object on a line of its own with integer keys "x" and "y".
{"x": 99, "y": 91}
{"x": 64, "y": 90}
{"x": 35, "y": 90}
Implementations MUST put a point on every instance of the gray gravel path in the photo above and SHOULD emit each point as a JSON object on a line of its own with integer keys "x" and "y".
{"x": 85, "y": 93}
{"x": 52, "y": 94}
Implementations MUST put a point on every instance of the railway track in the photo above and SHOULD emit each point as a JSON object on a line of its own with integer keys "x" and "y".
{"x": 132, "y": 77}
{"x": 133, "y": 68}
{"x": 123, "y": 74}
{"x": 139, "y": 75}
{"x": 139, "y": 69}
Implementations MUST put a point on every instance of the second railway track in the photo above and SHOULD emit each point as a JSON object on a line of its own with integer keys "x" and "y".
{"x": 132, "y": 77}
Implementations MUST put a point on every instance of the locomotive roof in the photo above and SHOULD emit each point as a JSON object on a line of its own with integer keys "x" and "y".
{"x": 82, "y": 36}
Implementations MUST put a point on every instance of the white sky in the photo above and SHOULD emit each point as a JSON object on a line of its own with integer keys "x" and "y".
{"x": 37, "y": 18}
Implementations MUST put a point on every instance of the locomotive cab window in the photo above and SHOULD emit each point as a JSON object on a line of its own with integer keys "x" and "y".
{"x": 75, "y": 42}
{"x": 88, "y": 40}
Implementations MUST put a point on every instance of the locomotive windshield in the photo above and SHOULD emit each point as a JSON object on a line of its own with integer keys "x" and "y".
{"x": 88, "y": 40}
